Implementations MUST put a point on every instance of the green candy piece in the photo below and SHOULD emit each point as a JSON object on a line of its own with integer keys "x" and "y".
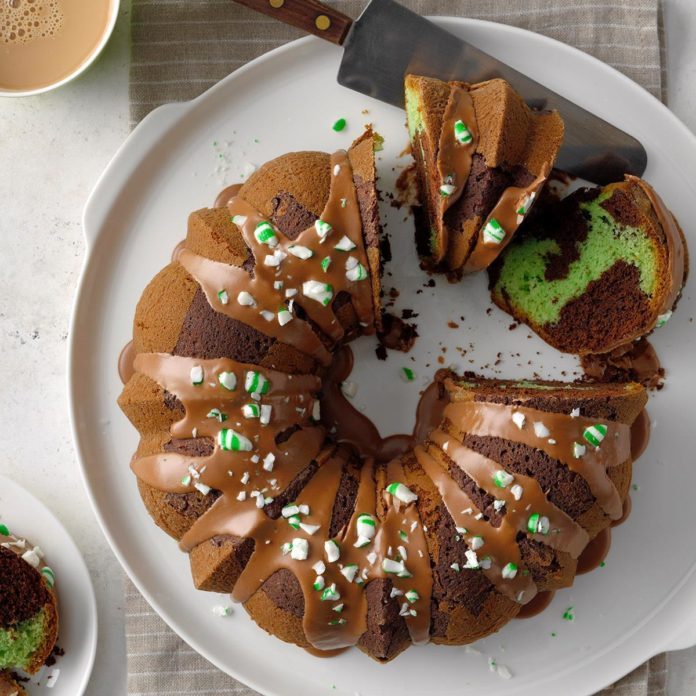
{"x": 4, "y": 530}
{"x": 49, "y": 576}
{"x": 339, "y": 125}
{"x": 461, "y": 133}
{"x": 408, "y": 374}
{"x": 595, "y": 434}
{"x": 265, "y": 234}
{"x": 325, "y": 263}
{"x": 232, "y": 441}
{"x": 255, "y": 383}
{"x": 493, "y": 233}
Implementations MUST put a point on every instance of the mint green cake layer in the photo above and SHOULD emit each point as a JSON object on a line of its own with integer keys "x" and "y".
{"x": 522, "y": 274}
{"x": 19, "y": 644}
{"x": 413, "y": 113}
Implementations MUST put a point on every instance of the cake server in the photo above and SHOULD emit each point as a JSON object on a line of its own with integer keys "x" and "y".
{"x": 388, "y": 41}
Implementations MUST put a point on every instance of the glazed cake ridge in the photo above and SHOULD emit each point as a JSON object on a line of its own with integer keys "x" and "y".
{"x": 327, "y": 549}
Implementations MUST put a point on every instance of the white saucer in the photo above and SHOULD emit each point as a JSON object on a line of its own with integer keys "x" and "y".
{"x": 26, "y": 517}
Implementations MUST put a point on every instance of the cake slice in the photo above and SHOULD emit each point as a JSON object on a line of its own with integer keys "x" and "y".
{"x": 9, "y": 686}
{"x": 482, "y": 156}
{"x": 598, "y": 270}
{"x": 28, "y": 605}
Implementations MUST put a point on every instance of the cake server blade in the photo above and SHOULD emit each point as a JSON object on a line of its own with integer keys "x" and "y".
{"x": 389, "y": 41}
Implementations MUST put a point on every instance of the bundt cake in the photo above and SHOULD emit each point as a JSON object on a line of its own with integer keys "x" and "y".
{"x": 481, "y": 156}
{"x": 324, "y": 547}
{"x": 597, "y": 271}
{"x": 28, "y": 606}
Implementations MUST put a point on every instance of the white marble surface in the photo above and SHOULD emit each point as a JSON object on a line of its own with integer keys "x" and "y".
{"x": 52, "y": 149}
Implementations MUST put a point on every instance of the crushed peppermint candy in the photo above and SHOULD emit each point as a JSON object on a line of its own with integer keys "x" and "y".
{"x": 246, "y": 299}
{"x": 220, "y": 610}
{"x": 407, "y": 374}
{"x": 344, "y": 244}
{"x": 301, "y": 252}
{"x": 502, "y": 478}
{"x": 230, "y": 440}
{"x": 519, "y": 419}
{"x": 517, "y": 491}
{"x": 538, "y": 524}
{"x": 493, "y": 233}
{"x": 401, "y": 492}
{"x": 540, "y": 430}
{"x": 595, "y": 434}
{"x": 332, "y": 550}
{"x": 228, "y": 380}
{"x": 317, "y": 291}
{"x": 323, "y": 229}
{"x": 265, "y": 234}
{"x": 196, "y": 375}
{"x": 300, "y": 549}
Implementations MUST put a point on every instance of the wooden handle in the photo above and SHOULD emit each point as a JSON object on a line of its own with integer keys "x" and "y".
{"x": 309, "y": 15}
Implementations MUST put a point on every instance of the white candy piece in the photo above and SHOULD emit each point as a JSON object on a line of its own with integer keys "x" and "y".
{"x": 402, "y": 493}
{"x": 196, "y": 374}
{"x": 332, "y": 550}
{"x": 245, "y": 299}
{"x": 300, "y": 549}
{"x": 344, "y": 244}
{"x": 311, "y": 529}
{"x": 228, "y": 380}
{"x": 517, "y": 491}
{"x": 349, "y": 388}
{"x": 323, "y": 229}
{"x": 519, "y": 419}
{"x": 320, "y": 292}
{"x": 301, "y": 252}
{"x": 266, "y": 410}
{"x": 268, "y": 462}
{"x": 540, "y": 430}
{"x": 579, "y": 450}
{"x": 349, "y": 572}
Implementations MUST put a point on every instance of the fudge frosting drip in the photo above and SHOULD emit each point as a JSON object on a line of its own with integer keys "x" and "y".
{"x": 586, "y": 446}
{"x": 295, "y": 284}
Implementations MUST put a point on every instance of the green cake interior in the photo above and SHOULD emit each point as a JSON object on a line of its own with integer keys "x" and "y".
{"x": 414, "y": 116}
{"x": 524, "y": 264}
{"x": 414, "y": 120}
{"x": 18, "y": 644}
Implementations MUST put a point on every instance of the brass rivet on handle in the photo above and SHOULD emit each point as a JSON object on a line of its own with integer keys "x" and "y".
{"x": 276, "y": 3}
{"x": 322, "y": 22}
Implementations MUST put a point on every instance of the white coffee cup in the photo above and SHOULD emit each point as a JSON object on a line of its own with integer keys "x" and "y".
{"x": 113, "y": 16}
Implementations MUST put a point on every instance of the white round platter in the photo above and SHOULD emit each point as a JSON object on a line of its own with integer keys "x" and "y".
{"x": 642, "y": 602}
{"x": 26, "y": 517}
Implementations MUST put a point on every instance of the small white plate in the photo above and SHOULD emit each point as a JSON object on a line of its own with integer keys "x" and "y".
{"x": 28, "y": 518}
{"x": 643, "y": 602}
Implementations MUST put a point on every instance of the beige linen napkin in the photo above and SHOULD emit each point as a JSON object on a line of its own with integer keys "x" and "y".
{"x": 182, "y": 47}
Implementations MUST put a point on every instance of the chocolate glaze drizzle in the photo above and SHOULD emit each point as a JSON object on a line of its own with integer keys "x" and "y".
{"x": 279, "y": 275}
